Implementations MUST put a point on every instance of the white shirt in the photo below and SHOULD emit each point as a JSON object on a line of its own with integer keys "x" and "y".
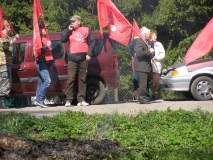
{"x": 159, "y": 55}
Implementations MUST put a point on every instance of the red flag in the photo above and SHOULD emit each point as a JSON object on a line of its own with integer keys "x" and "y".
{"x": 202, "y": 44}
{"x": 1, "y": 19}
{"x": 37, "y": 11}
{"x": 136, "y": 29}
{"x": 118, "y": 26}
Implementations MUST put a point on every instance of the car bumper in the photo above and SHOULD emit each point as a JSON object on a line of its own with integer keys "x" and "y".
{"x": 175, "y": 84}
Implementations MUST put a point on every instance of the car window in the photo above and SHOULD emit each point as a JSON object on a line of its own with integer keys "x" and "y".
{"x": 19, "y": 52}
{"x": 57, "y": 49}
{"x": 98, "y": 46}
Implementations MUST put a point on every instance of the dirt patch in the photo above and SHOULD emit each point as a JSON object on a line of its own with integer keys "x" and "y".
{"x": 13, "y": 148}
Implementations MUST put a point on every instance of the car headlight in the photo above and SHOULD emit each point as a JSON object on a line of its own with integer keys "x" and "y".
{"x": 175, "y": 73}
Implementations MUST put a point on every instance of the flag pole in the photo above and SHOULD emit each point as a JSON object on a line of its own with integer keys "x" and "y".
{"x": 9, "y": 23}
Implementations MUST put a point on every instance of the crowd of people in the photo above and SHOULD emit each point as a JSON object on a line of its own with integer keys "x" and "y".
{"x": 81, "y": 44}
{"x": 146, "y": 51}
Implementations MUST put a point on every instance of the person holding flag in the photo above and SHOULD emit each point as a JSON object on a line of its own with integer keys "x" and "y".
{"x": 5, "y": 61}
{"x": 43, "y": 54}
{"x": 44, "y": 62}
{"x": 143, "y": 65}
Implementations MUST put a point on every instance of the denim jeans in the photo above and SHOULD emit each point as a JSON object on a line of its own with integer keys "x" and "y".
{"x": 44, "y": 81}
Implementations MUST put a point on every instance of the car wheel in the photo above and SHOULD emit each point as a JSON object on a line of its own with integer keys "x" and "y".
{"x": 201, "y": 88}
{"x": 95, "y": 91}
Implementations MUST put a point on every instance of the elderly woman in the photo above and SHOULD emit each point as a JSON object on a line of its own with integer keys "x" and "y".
{"x": 156, "y": 62}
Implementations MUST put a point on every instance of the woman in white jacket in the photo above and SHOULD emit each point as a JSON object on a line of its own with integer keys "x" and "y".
{"x": 156, "y": 62}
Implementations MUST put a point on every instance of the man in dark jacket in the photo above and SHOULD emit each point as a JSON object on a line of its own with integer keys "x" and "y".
{"x": 81, "y": 45}
{"x": 143, "y": 65}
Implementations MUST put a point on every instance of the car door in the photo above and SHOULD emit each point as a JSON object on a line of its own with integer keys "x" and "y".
{"x": 20, "y": 68}
{"x": 58, "y": 72}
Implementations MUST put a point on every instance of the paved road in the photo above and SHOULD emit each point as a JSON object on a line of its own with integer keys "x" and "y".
{"x": 119, "y": 107}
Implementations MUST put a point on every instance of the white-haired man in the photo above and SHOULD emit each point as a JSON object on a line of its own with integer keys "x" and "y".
{"x": 143, "y": 65}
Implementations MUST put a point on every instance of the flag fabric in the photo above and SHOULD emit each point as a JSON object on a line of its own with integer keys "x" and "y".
{"x": 202, "y": 44}
{"x": 37, "y": 11}
{"x": 135, "y": 30}
{"x": 1, "y": 19}
{"x": 119, "y": 27}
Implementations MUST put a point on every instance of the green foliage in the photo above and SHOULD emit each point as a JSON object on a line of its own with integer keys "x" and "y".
{"x": 19, "y": 14}
{"x": 154, "y": 135}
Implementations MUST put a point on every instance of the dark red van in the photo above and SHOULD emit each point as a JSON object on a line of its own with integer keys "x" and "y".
{"x": 102, "y": 70}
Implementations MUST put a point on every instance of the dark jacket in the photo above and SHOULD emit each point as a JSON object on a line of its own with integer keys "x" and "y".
{"x": 131, "y": 46}
{"x": 77, "y": 57}
{"x": 41, "y": 57}
{"x": 144, "y": 57}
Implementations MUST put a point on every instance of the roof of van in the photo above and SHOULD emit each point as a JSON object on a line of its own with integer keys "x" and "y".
{"x": 59, "y": 33}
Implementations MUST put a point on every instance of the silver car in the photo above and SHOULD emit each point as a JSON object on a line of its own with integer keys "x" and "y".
{"x": 195, "y": 77}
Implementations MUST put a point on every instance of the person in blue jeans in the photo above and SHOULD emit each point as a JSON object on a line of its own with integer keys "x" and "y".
{"x": 44, "y": 63}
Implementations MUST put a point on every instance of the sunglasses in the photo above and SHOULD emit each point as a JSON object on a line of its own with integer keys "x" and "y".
{"x": 73, "y": 21}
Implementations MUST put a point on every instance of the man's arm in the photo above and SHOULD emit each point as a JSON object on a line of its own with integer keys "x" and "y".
{"x": 65, "y": 36}
{"x": 142, "y": 50}
{"x": 91, "y": 44}
{"x": 131, "y": 47}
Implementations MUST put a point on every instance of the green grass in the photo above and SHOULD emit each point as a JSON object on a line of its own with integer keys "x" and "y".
{"x": 182, "y": 135}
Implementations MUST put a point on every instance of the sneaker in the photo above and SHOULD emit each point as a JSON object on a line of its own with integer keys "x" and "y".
{"x": 41, "y": 104}
{"x": 68, "y": 104}
{"x": 83, "y": 103}
{"x": 135, "y": 98}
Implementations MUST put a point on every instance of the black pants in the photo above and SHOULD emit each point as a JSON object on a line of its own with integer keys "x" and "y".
{"x": 144, "y": 79}
{"x": 76, "y": 69}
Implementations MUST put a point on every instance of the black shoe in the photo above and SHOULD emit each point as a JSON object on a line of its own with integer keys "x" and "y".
{"x": 153, "y": 98}
{"x": 41, "y": 104}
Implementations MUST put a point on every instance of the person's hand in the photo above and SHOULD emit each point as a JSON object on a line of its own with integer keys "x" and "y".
{"x": 88, "y": 58}
{"x": 70, "y": 27}
{"x": 154, "y": 58}
{"x": 17, "y": 36}
{"x": 51, "y": 68}
{"x": 49, "y": 43}
{"x": 151, "y": 50}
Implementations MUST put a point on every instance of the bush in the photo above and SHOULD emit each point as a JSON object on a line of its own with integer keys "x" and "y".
{"x": 154, "y": 135}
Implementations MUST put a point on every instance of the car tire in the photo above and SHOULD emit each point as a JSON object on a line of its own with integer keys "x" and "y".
{"x": 95, "y": 91}
{"x": 201, "y": 87}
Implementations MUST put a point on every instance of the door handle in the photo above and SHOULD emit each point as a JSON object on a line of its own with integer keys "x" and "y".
{"x": 65, "y": 65}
